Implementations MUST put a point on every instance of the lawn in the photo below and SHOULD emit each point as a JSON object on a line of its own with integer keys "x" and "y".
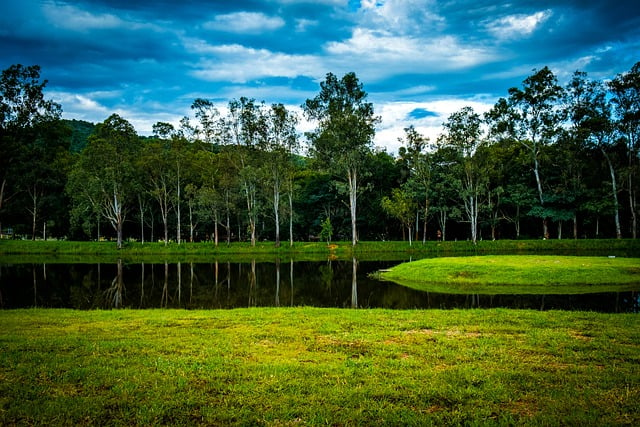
{"x": 519, "y": 274}
{"x": 311, "y": 366}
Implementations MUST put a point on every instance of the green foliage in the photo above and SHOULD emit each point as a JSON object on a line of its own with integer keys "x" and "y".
{"x": 560, "y": 155}
{"x": 327, "y": 230}
{"x": 308, "y": 366}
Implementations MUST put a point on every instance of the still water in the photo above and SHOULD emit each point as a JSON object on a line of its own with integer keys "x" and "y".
{"x": 343, "y": 284}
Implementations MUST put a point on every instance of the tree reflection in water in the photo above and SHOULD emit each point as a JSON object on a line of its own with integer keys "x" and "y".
{"x": 329, "y": 283}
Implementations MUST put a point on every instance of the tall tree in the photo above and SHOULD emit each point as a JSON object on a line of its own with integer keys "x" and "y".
{"x": 463, "y": 135}
{"x": 418, "y": 160}
{"x": 244, "y": 131}
{"x": 104, "y": 175}
{"x": 591, "y": 118}
{"x": 626, "y": 97}
{"x": 344, "y": 133}
{"x": 279, "y": 145}
{"x": 23, "y": 109}
{"x": 532, "y": 117}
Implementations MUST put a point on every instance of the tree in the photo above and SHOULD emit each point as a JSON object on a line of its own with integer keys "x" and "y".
{"x": 327, "y": 230}
{"x": 45, "y": 163}
{"x": 463, "y": 135}
{"x": 280, "y": 146}
{"x": 625, "y": 89}
{"x": 157, "y": 166}
{"x": 104, "y": 175}
{"x": 590, "y": 114}
{"x": 23, "y": 111}
{"x": 419, "y": 164}
{"x": 402, "y": 207}
{"x": 344, "y": 133}
{"x": 244, "y": 130}
{"x": 532, "y": 118}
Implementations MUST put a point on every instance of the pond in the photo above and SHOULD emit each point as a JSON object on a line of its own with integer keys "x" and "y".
{"x": 213, "y": 285}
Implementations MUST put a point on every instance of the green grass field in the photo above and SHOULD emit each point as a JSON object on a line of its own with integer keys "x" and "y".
{"x": 521, "y": 274}
{"x": 307, "y": 366}
{"x": 305, "y": 250}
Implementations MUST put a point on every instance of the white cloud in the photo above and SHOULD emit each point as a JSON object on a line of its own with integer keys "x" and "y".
{"x": 74, "y": 18}
{"x": 385, "y": 54}
{"x": 402, "y": 16}
{"x": 240, "y": 64}
{"x": 245, "y": 22}
{"x": 303, "y": 24}
{"x": 515, "y": 26}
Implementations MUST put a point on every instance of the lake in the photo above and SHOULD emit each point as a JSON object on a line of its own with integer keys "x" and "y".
{"x": 225, "y": 285}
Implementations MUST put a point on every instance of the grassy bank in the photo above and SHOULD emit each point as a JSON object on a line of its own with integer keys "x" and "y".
{"x": 307, "y": 366}
{"x": 302, "y": 250}
{"x": 520, "y": 274}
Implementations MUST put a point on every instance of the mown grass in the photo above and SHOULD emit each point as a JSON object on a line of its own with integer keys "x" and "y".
{"x": 308, "y": 366}
{"x": 522, "y": 274}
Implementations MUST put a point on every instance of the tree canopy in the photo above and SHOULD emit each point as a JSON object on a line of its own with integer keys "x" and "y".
{"x": 566, "y": 156}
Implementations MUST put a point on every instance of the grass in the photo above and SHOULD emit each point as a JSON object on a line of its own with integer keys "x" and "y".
{"x": 523, "y": 274}
{"x": 301, "y": 251}
{"x": 308, "y": 366}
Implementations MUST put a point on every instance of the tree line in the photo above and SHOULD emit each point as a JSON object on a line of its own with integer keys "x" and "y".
{"x": 547, "y": 161}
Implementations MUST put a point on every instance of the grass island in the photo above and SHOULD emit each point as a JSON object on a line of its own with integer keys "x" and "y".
{"x": 524, "y": 274}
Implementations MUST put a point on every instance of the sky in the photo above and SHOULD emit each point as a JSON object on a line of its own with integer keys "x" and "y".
{"x": 418, "y": 60}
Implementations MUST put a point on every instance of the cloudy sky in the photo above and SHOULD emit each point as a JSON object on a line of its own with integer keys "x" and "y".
{"x": 419, "y": 60}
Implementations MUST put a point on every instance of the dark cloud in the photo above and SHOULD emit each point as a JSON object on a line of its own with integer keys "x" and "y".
{"x": 150, "y": 60}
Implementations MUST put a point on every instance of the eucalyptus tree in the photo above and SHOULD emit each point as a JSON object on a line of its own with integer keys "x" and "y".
{"x": 344, "y": 133}
{"x": 104, "y": 175}
{"x": 209, "y": 118}
{"x": 156, "y": 165}
{"x": 244, "y": 130}
{"x": 24, "y": 114}
{"x": 531, "y": 116}
{"x": 590, "y": 114}
{"x": 625, "y": 89}
{"x": 463, "y": 136}
{"x": 280, "y": 145}
{"x": 444, "y": 191}
{"x": 415, "y": 154}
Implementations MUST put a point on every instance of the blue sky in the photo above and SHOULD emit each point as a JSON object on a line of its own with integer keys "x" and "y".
{"x": 419, "y": 60}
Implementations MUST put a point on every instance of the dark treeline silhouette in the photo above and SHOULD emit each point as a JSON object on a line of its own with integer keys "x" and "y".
{"x": 547, "y": 161}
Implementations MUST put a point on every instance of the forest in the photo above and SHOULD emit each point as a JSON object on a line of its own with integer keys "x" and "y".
{"x": 548, "y": 161}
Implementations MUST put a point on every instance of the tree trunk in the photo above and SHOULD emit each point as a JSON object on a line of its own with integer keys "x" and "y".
{"x": 179, "y": 230}
{"x": 352, "y": 177}
{"x": 614, "y": 194}
{"x": 215, "y": 227}
{"x": 140, "y": 205}
{"x": 632, "y": 206}
{"x": 191, "y": 225}
{"x": 560, "y": 230}
{"x": 34, "y": 211}
{"x": 424, "y": 226}
{"x": 536, "y": 172}
{"x": 276, "y": 210}
{"x": 290, "y": 219}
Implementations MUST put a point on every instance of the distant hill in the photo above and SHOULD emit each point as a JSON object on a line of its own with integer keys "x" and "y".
{"x": 80, "y": 131}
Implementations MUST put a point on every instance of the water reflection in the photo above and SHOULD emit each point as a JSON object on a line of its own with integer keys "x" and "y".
{"x": 331, "y": 283}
